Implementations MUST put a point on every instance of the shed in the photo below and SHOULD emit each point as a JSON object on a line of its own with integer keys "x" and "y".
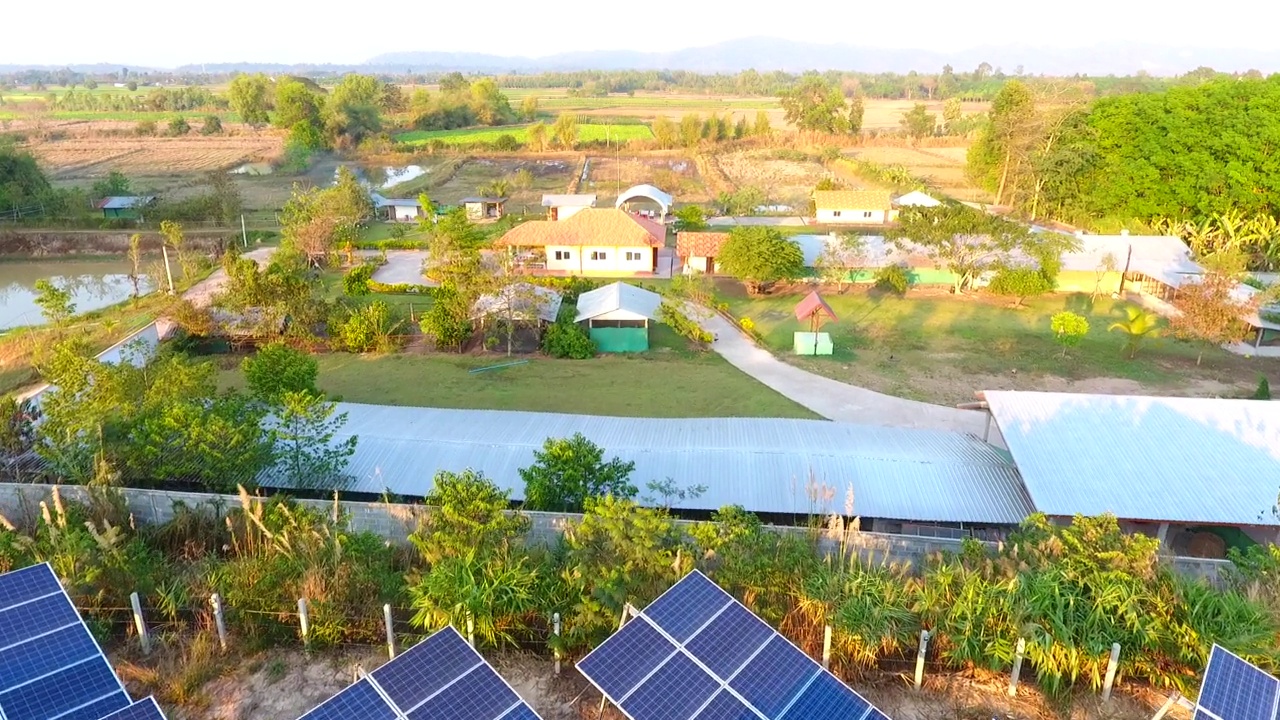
{"x": 853, "y": 207}
{"x": 699, "y": 250}
{"x": 917, "y": 198}
{"x": 125, "y": 206}
{"x": 525, "y": 301}
{"x": 484, "y": 208}
{"x": 1152, "y": 460}
{"x": 618, "y": 316}
{"x": 646, "y": 192}
{"x": 563, "y": 207}
{"x": 397, "y": 209}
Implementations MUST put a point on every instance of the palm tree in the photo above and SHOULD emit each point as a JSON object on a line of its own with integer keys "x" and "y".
{"x": 1139, "y": 324}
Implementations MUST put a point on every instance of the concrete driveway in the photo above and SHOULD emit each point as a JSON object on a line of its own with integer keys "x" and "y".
{"x": 403, "y": 266}
{"x": 829, "y": 398}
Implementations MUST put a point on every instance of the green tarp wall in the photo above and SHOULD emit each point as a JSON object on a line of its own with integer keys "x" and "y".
{"x": 619, "y": 340}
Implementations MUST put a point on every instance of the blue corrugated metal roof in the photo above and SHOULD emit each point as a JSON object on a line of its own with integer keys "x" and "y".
{"x": 125, "y": 202}
{"x": 765, "y": 465}
{"x": 1193, "y": 460}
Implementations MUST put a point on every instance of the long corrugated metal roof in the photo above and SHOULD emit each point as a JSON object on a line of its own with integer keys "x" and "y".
{"x": 124, "y": 202}
{"x": 764, "y": 465}
{"x": 1193, "y": 460}
{"x": 618, "y": 296}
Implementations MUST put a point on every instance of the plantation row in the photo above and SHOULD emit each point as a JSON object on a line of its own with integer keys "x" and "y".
{"x": 1070, "y": 592}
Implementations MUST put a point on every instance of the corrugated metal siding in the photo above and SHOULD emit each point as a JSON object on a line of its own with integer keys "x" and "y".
{"x": 765, "y": 465}
{"x": 1193, "y": 460}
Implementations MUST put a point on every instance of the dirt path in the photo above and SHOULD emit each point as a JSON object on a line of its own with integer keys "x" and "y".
{"x": 829, "y": 398}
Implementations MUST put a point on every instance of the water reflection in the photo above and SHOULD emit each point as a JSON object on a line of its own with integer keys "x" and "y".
{"x": 382, "y": 177}
{"x": 92, "y": 285}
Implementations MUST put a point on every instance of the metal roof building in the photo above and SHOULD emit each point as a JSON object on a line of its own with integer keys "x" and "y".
{"x": 1164, "y": 459}
{"x": 618, "y": 301}
{"x": 765, "y": 465}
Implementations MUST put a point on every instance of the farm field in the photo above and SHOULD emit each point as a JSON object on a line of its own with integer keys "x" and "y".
{"x": 449, "y": 179}
{"x": 676, "y": 174}
{"x": 665, "y": 382}
{"x": 942, "y": 167}
{"x": 784, "y": 180}
{"x": 941, "y": 348}
{"x": 464, "y": 136}
{"x": 96, "y": 156}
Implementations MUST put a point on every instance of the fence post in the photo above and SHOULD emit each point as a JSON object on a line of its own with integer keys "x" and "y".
{"x": 1166, "y": 707}
{"x": 140, "y": 623}
{"x": 826, "y": 647}
{"x": 391, "y": 633}
{"x": 555, "y": 628}
{"x": 164, "y": 250}
{"x": 1017, "y": 667}
{"x": 471, "y": 630}
{"x": 302, "y": 621}
{"x": 1112, "y": 665}
{"x": 920, "y": 653}
{"x": 218, "y": 621}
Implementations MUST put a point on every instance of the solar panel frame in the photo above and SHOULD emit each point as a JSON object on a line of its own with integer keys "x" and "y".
{"x": 33, "y": 598}
{"x": 714, "y": 704}
{"x": 1225, "y": 667}
{"x": 144, "y": 709}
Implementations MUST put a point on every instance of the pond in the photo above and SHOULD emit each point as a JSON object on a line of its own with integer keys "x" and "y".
{"x": 93, "y": 284}
{"x": 382, "y": 177}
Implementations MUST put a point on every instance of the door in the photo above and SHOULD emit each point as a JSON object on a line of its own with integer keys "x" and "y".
{"x": 655, "y": 260}
{"x": 711, "y": 266}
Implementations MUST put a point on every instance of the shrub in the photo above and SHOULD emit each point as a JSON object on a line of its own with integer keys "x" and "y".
{"x": 682, "y": 324}
{"x": 277, "y": 369}
{"x": 1068, "y": 329}
{"x": 178, "y": 126}
{"x": 356, "y": 282}
{"x": 1264, "y": 389}
{"x": 893, "y": 278}
{"x": 447, "y": 322}
{"x": 212, "y": 125}
{"x": 567, "y": 340}
{"x": 506, "y": 142}
{"x": 145, "y": 128}
{"x": 1019, "y": 282}
{"x": 568, "y": 471}
{"x": 370, "y": 328}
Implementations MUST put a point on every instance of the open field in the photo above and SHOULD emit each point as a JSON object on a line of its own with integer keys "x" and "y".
{"x": 785, "y": 181}
{"x": 464, "y": 136}
{"x": 93, "y": 157}
{"x": 665, "y": 382}
{"x": 449, "y": 179}
{"x": 941, "y": 348}
{"x": 608, "y": 175}
{"x": 941, "y": 167}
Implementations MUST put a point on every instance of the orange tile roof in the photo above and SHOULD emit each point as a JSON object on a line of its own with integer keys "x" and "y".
{"x": 700, "y": 244}
{"x": 606, "y": 227}
{"x": 852, "y": 200}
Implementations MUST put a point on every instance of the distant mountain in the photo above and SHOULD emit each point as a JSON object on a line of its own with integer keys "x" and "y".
{"x": 766, "y": 54}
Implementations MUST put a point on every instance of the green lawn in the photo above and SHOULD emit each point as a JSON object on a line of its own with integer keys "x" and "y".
{"x": 665, "y": 382}
{"x": 940, "y": 348}
{"x": 464, "y": 136}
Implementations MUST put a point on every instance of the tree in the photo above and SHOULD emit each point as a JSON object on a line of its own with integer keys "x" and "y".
{"x": 565, "y": 130}
{"x": 537, "y": 136}
{"x": 178, "y": 126}
{"x": 135, "y": 263}
{"x": 469, "y": 514}
{"x": 529, "y": 108}
{"x": 841, "y": 258}
{"x": 211, "y": 125}
{"x": 1020, "y": 282}
{"x": 856, "y": 112}
{"x": 665, "y": 132}
{"x": 55, "y": 303}
{"x": 115, "y": 184}
{"x": 965, "y": 241}
{"x": 1208, "y": 313}
{"x": 690, "y": 130}
{"x": 1106, "y": 266}
{"x": 760, "y": 256}
{"x": 690, "y": 218}
{"x": 453, "y": 252}
{"x": 295, "y": 103}
{"x": 952, "y": 112}
{"x": 1137, "y": 326}
{"x": 814, "y": 105}
{"x": 1004, "y": 143}
{"x": 918, "y": 122}
{"x": 761, "y": 127}
{"x": 176, "y": 239}
{"x": 277, "y": 369}
{"x": 354, "y": 108}
{"x": 305, "y": 455}
{"x": 740, "y": 128}
{"x": 569, "y": 471}
{"x": 1068, "y": 329}
{"x": 448, "y": 321}
{"x": 250, "y": 98}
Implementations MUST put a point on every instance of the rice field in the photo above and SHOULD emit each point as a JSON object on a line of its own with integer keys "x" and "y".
{"x": 87, "y": 157}
{"x": 467, "y": 136}
{"x": 783, "y": 181}
{"x": 942, "y": 167}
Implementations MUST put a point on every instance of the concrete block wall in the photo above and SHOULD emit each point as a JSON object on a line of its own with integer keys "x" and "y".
{"x": 21, "y": 505}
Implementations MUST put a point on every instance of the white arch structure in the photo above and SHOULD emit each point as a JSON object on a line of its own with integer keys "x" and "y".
{"x": 646, "y": 192}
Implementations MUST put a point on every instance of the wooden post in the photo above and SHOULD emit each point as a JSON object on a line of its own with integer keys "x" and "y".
{"x": 1112, "y": 665}
{"x": 391, "y": 633}
{"x": 920, "y": 654}
{"x": 244, "y": 234}
{"x": 1166, "y": 707}
{"x": 555, "y": 629}
{"x": 1017, "y": 667}
{"x": 302, "y": 621}
{"x": 140, "y": 623}
{"x": 164, "y": 250}
{"x": 218, "y": 620}
{"x": 471, "y": 630}
{"x": 826, "y": 647}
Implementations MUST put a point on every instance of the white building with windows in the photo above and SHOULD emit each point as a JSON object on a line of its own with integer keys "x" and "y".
{"x": 853, "y": 207}
{"x": 594, "y": 241}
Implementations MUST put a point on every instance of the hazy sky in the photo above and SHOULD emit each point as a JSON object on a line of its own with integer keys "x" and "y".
{"x": 164, "y": 34}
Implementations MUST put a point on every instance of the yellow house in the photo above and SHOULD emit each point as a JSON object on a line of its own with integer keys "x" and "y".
{"x": 593, "y": 241}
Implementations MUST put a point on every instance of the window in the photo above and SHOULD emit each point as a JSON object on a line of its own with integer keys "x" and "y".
{"x": 563, "y": 255}
{"x": 599, "y": 255}
{"x": 835, "y": 213}
{"x": 632, "y": 255}
{"x": 866, "y": 214}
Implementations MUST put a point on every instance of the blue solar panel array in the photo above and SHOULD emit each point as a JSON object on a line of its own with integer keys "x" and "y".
{"x": 696, "y": 653}
{"x": 1234, "y": 689}
{"x": 141, "y": 710}
{"x": 50, "y": 666}
{"x": 440, "y": 678}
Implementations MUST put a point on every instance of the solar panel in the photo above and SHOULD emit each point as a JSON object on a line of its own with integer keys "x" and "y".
{"x": 1234, "y": 689}
{"x": 50, "y": 665}
{"x": 145, "y": 709}
{"x": 440, "y": 678}
{"x": 696, "y": 653}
